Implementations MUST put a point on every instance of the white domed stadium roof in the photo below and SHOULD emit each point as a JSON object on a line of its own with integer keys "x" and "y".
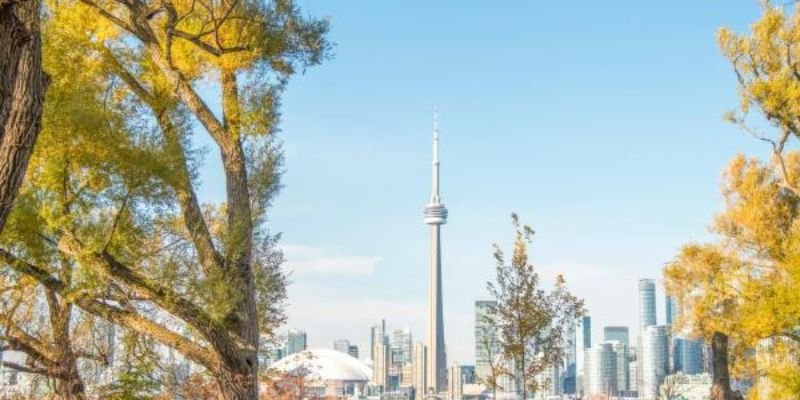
{"x": 325, "y": 365}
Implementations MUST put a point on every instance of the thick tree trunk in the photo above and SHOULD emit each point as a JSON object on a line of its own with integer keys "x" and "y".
{"x": 69, "y": 385}
{"x": 237, "y": 385}
{"x": 721, "y": 384}
{"x": 243, "y": 319}
{"x": 22, "y": 86}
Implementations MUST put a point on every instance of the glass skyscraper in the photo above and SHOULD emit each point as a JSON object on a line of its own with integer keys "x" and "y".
{"x": 583, "y": 341}
{"x": 647, "y": 302}
{"x": 691, "y": 357}
{"x": 586, "y": 325}
{"x": 686, "y": 354}
{"x": 654, "y": 361}
{"x": 600, "y": 370}
{"x": 486, "y": 340}
{"x": 618, "y": 333}
{"x": 401, "y": 346}
{"x": 296, "y": 342}
{"x": 377, "y": 337}
{"x": 570, "y": 359}
{"x": 621, "y": 351}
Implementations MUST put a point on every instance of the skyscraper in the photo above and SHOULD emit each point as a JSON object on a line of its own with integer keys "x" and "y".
{"x": 600, "y": 371}
{"x": 342, "y": 345}
{"x": 352, "y": 350}
{"x": 583, "y": 340}
{"x": 487, "y": 345}
{"x": 549, "y": 382}
{"x": 622, "y": 364}
{"x": 647, "y": 302}
{"x": 671, "y": 313}
{"x": 586, "y": 325}
{"x": 296, "y": 341}
{"x": 654, "y": 361}
{"x": 570, "y": 359}
{"x": 690, "y": 356}
{"x": 618, "y": 333}
{"x": 377, "y": 336}
{"x": 436, "y": 216}
{"x": 686, "y": 355}
{"x": 647, "y": 317}
{"x": 671, "y": 309}
{"x": 419, "y": 359}
{"x": 455, "y": 384}
{"x": 380, "y": 366}
{"x": 401, "y": 346}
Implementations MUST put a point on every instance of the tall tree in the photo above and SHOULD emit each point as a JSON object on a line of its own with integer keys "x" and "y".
{"x": 22, "y": 88}
{"x": 532, "y": 321}
{"x": 202, "y": 279}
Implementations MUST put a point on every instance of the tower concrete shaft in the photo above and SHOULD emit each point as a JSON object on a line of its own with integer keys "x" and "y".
{"x": 436, "y": 216}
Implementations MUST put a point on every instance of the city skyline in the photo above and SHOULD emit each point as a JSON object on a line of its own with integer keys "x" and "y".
{"x": 599, "y": 330}
{"x": 580, "y": 193}
{"x": 350, "y": 225}
{"x": 604, "y": 364}
{"x": 245, "y": 200}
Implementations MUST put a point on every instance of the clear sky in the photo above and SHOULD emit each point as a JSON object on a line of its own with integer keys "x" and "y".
{"x": 598, "y": 122}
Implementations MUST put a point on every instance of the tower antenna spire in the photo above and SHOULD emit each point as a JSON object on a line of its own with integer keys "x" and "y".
{"x": 435, "y": 178}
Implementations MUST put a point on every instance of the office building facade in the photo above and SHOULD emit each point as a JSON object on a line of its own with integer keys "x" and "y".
{"x": 654, "y": 361}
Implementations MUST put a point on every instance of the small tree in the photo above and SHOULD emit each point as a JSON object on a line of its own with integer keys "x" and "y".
{"x": 531, "y": 321}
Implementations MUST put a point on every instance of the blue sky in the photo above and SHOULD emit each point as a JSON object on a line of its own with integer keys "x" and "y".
{"x": 598, "y": 122}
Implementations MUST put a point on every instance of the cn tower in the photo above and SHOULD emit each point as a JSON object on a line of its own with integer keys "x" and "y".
{"x": 436, "y": 216}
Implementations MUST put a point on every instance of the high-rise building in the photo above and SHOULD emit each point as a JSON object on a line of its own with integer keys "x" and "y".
{"x": 380, "y": 367}
{"x": 622, "y": 360}
{"x": 377, "y": 336}
{"x": 647, "y": 302}
{"x": 342, "y": 345}
{"x": 455, "y": 385}
{"x": 352, "y": 350}
{"x": 487, "y": 345}
{"x": 671, "y": 309}
{"x": 686, "y": 355}
{"x": 583, "y": 342}
{"x": 436, "y": 216}
{"x": 654, "y": 361}
{"x": 647, "y": 317}
{"x": 690, "y": 358}
{"x": 618, "y": 333}
{"x": 549, "y": 382}
{"x": 419, "y": 375}
{"x": 633, "y": 373}
{"x": 600, "y": 370}
{"x": 586, "y": 327}
{"x": 671, "y": 314}
{"x": 401, "y": 346}
{"x": 296, "y": 341}
{"x": 570, "y": 360}
{"x": 407, "y": 376}
{"x": 467, "y": 374}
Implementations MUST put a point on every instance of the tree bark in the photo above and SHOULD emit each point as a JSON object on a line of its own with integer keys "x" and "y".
{"x": 69, "y": 384}
{"x": 721, "y": 381}
{"x": 22, "y": 87}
